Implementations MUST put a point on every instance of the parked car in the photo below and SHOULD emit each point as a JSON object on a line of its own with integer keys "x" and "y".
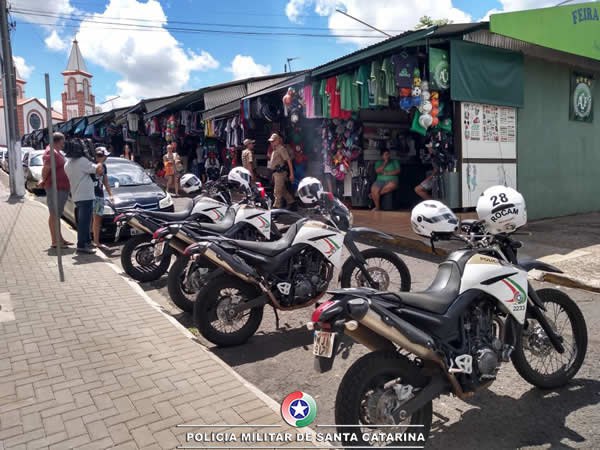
{"x": 4, "y": 158}
{"x": 32, "y": 169}
{"x": 131, "y": 188}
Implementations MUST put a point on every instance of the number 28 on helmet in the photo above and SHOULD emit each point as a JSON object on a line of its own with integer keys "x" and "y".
{"x": 502, "y": 209}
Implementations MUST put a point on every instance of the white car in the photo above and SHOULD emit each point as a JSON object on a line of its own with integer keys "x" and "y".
{"x": 32, "y": 169}
{"x": 4, "y": 158}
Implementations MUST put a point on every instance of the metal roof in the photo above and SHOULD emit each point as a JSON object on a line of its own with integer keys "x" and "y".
{"x": 392, "y": 44}
{"x": 219, "y": 97}
{"x": 222, "y": 110}
{"x": 76, "y": 62}
{"x": 290, "y": 81}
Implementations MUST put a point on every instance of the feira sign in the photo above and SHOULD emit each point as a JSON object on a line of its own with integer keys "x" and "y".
{"x": 580, "y": 101}
{"x": 571, "y": 28}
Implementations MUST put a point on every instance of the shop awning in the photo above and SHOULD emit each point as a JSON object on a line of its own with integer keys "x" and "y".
{"x": 571, "y": 28}
{"x": 288, "y": 82}
{"x": 80, "y": 125}
{"x": 223, "y": 110}
{"x": 157, "y": 105}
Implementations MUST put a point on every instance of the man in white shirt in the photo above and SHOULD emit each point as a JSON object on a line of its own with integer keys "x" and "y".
{"x": 80, "y": 170}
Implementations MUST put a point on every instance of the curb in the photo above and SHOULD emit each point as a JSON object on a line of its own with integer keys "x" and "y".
{"x": 567, "y": 281}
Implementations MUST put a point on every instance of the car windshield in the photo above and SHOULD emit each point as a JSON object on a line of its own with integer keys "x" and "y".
{"x": 127, "y": 175}
{"x": 37, "y": 160}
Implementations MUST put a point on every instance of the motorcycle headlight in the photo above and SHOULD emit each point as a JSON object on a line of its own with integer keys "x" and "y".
{"x": 166, "y": 202}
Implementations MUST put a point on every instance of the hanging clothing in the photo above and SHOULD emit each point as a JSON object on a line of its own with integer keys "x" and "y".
{"x": 378, "y": 83}
{"x": 362, "y": 80}
{"x": 390, "y": 78}
{"x": 317, "y": 100}
{"x": 404, "y": 67}
{"x": 309, "y": 102}
{"x": 132, "y": 122}
{"x": 186, "y": 121}
{"x": 334, "y": 98}
{"x": 348, "y": 92}
{"x": 324, "y": 98}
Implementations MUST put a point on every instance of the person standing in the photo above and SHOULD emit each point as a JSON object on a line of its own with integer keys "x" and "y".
{"x": 281, "y": 164}
{"x": 172, "y": 169}
{"x": 80, "y": 171}
{"x": 248, "y": 157}
{"x": 200, "y": 162}
{"x": 387, "y": 178}
{"x": 62, "y": 186}
{"x": 127, "y": 153}
{"x": 100, "y": 185}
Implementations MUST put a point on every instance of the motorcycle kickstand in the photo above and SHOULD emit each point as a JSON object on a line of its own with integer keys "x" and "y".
{"x": 276, "y": 317}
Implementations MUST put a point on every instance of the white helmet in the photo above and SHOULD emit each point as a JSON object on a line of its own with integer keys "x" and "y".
{"x": 240, "y": 176}
{"x": 310, "y": 190}
{"x": 502, "y": 209}
{"x": 431, "y": 217}
{"x": 190, "y": 183}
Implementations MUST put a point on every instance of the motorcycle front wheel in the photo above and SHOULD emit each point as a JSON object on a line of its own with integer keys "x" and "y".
{"x": 214, "y": 317}
{"x": 137, "y": 259}
{"x": 385, "y": 267}
{"x": 534, "y": 357}
{"x": 370, "y": 390}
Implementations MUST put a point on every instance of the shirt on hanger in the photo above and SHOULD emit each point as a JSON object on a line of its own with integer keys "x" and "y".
{"x": 404, "y": 67}
{"x": 309, "y": 104}
{"x": 390, "y": 78}
{"x": 317, "y": 100}
{"x": 334, "y": 98}
{"x": 362, "y": 80}
{"x": 378, "y": 83}
{"x": 348, "y": 92}
{"x": 324, "y": 98}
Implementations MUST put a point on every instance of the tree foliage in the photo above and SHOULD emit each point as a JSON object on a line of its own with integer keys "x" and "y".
{"x": 426, "y": 21}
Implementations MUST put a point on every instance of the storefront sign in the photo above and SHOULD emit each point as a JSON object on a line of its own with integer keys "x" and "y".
{"x": 580, "y": 104}
{"x": 439, "y": 69}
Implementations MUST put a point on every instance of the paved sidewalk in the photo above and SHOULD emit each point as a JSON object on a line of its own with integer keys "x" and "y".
{"x": 91, "y": 364}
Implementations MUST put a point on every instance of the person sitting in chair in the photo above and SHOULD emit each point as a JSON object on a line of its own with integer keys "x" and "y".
{"x": 387, "y": 178}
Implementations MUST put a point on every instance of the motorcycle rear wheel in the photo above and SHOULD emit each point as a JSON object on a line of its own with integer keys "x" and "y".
{"x": 179, "y": 292}
{"x": 137, "y": 259}
{"x": 532, "y": 343}
{"x": 377, "y": 260}
{"x": 362, "y": 393}
{"x": 211, "y": 311}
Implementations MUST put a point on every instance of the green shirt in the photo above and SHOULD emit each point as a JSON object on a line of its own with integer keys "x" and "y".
{"x": 390, "y": 77}
{"x": 392, "y": 166}
{"x": 362, "y": 80}
{"x": 317, "y": 99}
{"x": 348, "y": 92}
{"x": 324, "y": 98}
{"x": 378, "y": 77}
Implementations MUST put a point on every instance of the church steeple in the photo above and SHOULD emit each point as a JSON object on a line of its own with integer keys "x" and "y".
{"x": 77, "y": 98}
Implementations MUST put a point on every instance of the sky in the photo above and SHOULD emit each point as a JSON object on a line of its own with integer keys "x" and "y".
{"x": 139, "y": 49}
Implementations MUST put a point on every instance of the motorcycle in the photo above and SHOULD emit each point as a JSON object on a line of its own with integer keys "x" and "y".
{"x": 293, "y": 272}
{"x": 186, "y": 277}
{"x": 210, "y": 207}
{"x": 479, "y": 311}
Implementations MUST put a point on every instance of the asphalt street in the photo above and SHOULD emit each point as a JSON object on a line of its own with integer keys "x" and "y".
{"x": 510, "y": 414}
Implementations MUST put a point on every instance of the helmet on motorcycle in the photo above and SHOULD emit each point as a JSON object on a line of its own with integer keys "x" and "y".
{"x": 190, "y": 183}
{"x": 431, "y": 217}
{"x": 240, "y": 177}
{"x": 310, "y": 190}
{"x": 502, "y": 209}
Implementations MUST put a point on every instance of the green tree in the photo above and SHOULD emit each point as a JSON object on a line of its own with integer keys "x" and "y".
{"x": 426, "y": 21}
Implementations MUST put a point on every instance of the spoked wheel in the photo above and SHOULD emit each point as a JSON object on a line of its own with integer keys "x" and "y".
{"x": 535, "y": 358}
{"x": 374, "y": 386}
{"x": 386, "y": 269}
{"x": 185, "y": 280}
{"x": 215, "y": 318}
{"x": 137, "y": 259}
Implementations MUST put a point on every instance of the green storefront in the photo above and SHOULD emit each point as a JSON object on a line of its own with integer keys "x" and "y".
{"x": 540, "y": 69}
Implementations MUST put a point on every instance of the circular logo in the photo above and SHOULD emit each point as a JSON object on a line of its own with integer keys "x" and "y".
{"x": 441, "y": 75}
{"x": 582, "y": 100}
{"x": 299, "y": 409}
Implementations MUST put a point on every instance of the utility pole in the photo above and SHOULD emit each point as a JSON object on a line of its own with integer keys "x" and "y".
{"x": 9, "y": 91}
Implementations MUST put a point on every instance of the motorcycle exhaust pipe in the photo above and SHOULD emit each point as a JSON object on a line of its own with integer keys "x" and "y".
{"x": 135, "y": 223}
{"x": 230, "y": 263}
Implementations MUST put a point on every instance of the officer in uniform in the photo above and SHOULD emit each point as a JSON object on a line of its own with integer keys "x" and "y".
{"x": 282, "y": 167}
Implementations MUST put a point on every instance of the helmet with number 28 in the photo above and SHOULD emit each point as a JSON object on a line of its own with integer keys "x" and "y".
{"x": 502, "y": 209}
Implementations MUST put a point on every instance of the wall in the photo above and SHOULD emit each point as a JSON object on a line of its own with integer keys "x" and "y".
{"x": 558, "y": 159}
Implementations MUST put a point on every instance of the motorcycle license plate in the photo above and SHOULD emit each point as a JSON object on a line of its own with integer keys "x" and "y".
{"x": 323, "y": 344}
{"x": 158, "y": 249}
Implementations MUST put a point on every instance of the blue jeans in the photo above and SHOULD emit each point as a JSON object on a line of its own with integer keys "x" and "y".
{"x": 83, "y": 210}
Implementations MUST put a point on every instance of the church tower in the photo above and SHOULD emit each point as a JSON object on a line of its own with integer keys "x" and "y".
{"x": 77, "y": 98}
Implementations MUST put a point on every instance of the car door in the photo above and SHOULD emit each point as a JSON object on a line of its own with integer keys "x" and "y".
{"x": 26, "y": 168}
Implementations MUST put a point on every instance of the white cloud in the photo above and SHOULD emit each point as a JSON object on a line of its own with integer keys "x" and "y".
{"x": 382, "y": 14}
{"x": 55, "y": 42}
{"x": 245, "y": 67}
{"x": 57, "y": 106}
{"x": 42, "y": 11}
{"x": 22, "y": 67}
{"x": 151, "y": 62}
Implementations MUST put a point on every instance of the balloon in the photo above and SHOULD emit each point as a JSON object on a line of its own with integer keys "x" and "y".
{"x": 425, "y": 120}
{"x": 405, "y": 92}
{"x": 287, "y": 99}
{"x": 425, "y": 95}
{"x": 435, "y": 112}
{"x": 426, "y": 107}
{"x": 435, "y": 95}
{"x": 435, "y": 121}
{"x": 435, "y": 102}
{"x": 425, "y": 85}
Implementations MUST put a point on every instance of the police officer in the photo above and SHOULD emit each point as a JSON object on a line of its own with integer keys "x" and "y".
{"x": 281, "y": 164}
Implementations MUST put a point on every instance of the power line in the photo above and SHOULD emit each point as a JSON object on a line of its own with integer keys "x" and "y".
{"x": 141, "y": 27}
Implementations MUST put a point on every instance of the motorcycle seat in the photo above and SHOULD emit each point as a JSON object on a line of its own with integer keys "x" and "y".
{"x": 438, "y": 297}
{"x": 223, "y": 225}
{"x": 172, "y": 216}
{"x": 272, "y": 248}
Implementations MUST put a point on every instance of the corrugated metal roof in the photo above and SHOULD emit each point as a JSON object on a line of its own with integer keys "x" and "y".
{"x": 392, "y": 44}
{"x": 219, "y": 97}
{"x": 223, "y": 110}
{"x": 290, "y": 81}
{"x": 255, "y": 86}
{"x": 485, "y": 37}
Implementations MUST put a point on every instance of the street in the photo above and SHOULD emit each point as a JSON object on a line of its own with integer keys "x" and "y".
{"x": 280, "y": 361}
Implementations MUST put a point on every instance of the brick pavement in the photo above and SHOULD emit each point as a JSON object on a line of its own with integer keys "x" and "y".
{"x": 91, "y": 364}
